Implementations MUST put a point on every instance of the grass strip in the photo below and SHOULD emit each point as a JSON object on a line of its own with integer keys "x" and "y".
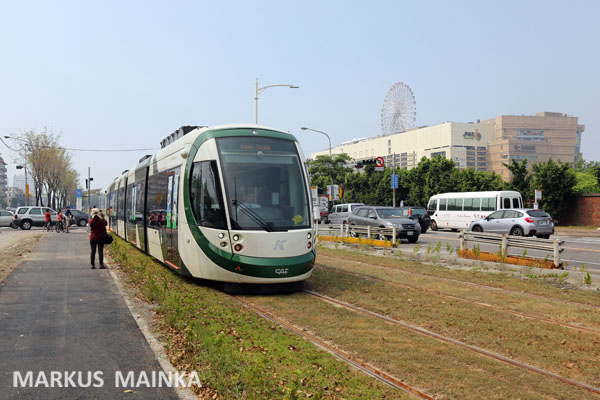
{"x": 567, "y": 313}
{"x": 551, "y": 347}
{"x": 238, "y": 355}
{"x": 439, "y": 369}
{"x": 500, "y": 280}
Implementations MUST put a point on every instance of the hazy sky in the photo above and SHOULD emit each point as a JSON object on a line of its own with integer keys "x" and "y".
{"x": 125, "y": 74}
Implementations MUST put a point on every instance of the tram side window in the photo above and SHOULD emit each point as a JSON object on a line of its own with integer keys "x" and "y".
{"x": 121, "y": 203}
{"x": 156, "y": 202}
{"x": 206, "y": 195}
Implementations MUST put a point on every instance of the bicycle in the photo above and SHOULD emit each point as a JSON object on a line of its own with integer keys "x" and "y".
{"x": 60, "y": 226}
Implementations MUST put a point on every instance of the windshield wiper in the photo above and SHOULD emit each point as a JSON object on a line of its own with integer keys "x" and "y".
{"x": 253, "y": 216}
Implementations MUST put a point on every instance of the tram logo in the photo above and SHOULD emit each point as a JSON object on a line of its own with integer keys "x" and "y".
{"x": 279, "y": 245}
{"x": 281, "y": 271}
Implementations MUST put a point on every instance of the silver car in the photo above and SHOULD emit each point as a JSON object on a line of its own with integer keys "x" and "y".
{"x": 386, "y": 217}
{"x": 516, "y": 222}
{"x": 6, "y": 218}
{"x": 26, "y": 217}
{"x": 341, "y": 212}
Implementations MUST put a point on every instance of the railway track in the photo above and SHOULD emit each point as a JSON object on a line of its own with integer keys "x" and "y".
{"x": 450, "y": 297}
{"x": 366, "y": 368}
{"x": 516, "y": 292}
{"x": 449, "y": 340}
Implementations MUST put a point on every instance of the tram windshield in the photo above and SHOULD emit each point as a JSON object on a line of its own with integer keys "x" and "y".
{"x": 264, "y": 184}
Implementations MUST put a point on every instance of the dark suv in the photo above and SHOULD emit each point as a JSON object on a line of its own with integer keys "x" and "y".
{"x": 385, "y": 217}
{"x": 419, "y": 214}
{"x": 79, "y": 217}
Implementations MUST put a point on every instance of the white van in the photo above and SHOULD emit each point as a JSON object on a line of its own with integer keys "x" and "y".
{"x": 457, "y": 210}
{"x": 339, "y": 213}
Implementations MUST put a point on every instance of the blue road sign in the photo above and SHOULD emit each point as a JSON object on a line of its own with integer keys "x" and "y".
{"x": 79, "y": 193}
{"x": 394, "y": 181}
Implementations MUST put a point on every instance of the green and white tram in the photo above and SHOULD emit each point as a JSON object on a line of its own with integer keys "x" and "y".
{"x": 228, "y": 203}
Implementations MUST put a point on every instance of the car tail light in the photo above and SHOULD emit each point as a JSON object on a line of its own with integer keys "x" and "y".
{"x": 530, "y": 220}
{"x": 238, "y": 247}
{"x": 551, "y": 221}
{"x": 15, "y": 216}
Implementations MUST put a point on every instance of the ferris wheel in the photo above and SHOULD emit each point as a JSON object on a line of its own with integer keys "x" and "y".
{"x": 399, "y": 111}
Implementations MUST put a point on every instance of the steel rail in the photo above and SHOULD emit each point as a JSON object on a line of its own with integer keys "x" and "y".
{"x": 446, "y": 339}
{"x": 366, "y": 368}
{"x": 574, "y": 303}
{"x": 451, "y": 297}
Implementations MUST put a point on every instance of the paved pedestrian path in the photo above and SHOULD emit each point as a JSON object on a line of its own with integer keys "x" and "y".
{"x": 57, "y": 314}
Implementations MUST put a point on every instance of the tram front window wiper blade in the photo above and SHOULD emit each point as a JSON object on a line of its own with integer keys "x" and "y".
{"x": 253, "y": 216}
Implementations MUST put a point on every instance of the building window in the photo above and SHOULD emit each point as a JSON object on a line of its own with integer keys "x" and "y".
{"x": 537, "y": 135}
{"x": 389, "y": 142}
{"x": 438, "y": 154}
{"x": 525, "y": 148}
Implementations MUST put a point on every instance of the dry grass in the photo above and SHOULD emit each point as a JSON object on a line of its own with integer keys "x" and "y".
{"x": 504, "y": 281}
{"x": 439, "y": 369}
{"x": 13, "y": 254}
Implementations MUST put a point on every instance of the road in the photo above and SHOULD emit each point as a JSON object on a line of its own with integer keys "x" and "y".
{"x": 578, "y": 250}
{"x": 57, "y": 314}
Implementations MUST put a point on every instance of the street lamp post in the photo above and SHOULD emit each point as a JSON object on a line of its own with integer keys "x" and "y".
{"x": 258, "y": 91}
{"x": 26, "y": 185}
{"x": 329, "y": 139}
{"x": 314, "y": 130}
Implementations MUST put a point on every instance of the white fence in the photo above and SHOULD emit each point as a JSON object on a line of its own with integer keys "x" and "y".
{"x": 345, "y": 230}
{"x": 507, "y": 241}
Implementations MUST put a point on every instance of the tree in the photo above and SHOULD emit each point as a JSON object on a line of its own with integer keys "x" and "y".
{"x": 556, "y": 181}
{"x": 48, "y": 164}
{"x": 325, "y": 170}
{"x": 429, "y": 177}
{"x": 520, "y": 178}
{"x": 471, "y": 180}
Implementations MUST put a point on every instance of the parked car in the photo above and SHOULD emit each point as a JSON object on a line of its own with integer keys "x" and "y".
{"x": 386, "y": 217}
{"x": 419, "y": 214}
{"x": 339, "y": 213}
{"x": 26, "y": 217}
{"x": 6, "y": 218}
{"x": 516, "y": 222}
{"x": 79, "y": 217}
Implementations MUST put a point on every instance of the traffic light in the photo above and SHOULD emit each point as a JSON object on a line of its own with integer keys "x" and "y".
{"x": 88, "y": 184}
{"x": 364, "y": 163}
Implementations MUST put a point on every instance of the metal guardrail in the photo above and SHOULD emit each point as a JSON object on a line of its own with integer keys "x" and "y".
{"x": 346, "y": 230}
{"x": 506, "y": 241}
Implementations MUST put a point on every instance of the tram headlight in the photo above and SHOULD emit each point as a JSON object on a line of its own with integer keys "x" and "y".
{"x": 236, "y": 237}
{"x": 221, "y": 235}
{"x": 223, "y": 244}
{"x": 309, "y": 235}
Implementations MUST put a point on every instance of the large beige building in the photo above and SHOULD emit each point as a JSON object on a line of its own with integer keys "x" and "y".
{"x": 535, "y": 138}
{"x": 484, "y": 146}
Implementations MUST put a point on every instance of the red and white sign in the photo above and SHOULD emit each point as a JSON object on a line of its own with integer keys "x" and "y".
{"x": 379, "y": 162}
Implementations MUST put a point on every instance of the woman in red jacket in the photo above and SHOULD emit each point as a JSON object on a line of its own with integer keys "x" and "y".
{"x": 98, "y": 230}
